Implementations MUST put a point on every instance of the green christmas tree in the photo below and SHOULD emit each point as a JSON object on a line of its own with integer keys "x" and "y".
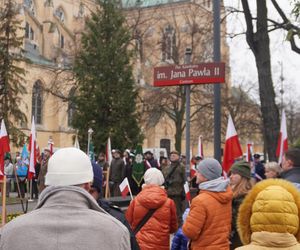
{"x": 11, "y": 71}
{"x": 105, "y": 99}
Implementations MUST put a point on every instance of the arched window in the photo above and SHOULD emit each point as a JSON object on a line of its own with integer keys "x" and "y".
{"x": 168, "y": 44}
{"x": 37, "y": 102}
{"x": 71, "y": 107}
{"x": 29, "y": 4}
{"x": 81, "y": 10}
{"x": 60, "y": 14}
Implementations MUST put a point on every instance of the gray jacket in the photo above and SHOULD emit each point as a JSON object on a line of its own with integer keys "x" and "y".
{"x": 66, "y": 218}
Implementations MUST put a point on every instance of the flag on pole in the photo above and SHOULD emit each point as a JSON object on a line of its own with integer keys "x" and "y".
{"x": 50, "y": 145}
{"x": 187, "y": 191}
{"x": 32, "y": 149}
{"x": 4, "y": 146}
{"x": 232, "y": 148}
{"x": 192, "y": 170}
{"x": 138, "y": 168}
{"x": 124, "y": 187}
{"x": 200, "y": 147}
{"x": 108, "y": 155}
{"x": 76, "y": 143}
{"x": 249, "y": 152}
{"x": 282, "y": 145}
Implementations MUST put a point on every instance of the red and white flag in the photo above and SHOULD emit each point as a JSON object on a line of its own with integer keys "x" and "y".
{"x": 50, "y": 145}
{"x": 32, "y": 149}
{"x": 249, "y": 152}
{"x": 124, "y": 187}
{"x": 200, "y": 147}
{"x": 108, "y": 155}
{"x": 232, "y": 149}
{"x": 187, "y": 191}
{"x": 192, "y": 170}
{"x": 282, "y": 145}
{"x": 4, "y": 146}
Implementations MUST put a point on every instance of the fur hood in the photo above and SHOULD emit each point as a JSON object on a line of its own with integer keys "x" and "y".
{"x": 272, "y": 205}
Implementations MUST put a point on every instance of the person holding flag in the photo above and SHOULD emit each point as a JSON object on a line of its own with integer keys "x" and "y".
{"x": 22, "y": 171}
{"x": 43, "y": 170}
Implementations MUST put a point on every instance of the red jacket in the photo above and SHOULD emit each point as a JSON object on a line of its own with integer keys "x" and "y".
{"x": 155, "y": 234}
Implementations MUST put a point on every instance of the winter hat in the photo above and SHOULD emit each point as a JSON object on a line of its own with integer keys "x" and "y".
{"x": 154, "y": 176}
{"x": 242, "y": 168}
{"x": 210, "y": 168}
{"x": 272, "y": 205}
{"x": 67, "y": 167}
{"x": 97, "y": 182}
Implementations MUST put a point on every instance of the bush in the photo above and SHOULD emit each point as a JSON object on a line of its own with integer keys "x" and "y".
{"x": 10, "y": 217}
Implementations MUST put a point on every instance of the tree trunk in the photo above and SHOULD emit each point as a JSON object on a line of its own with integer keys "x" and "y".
{"x": 259, "y": 43}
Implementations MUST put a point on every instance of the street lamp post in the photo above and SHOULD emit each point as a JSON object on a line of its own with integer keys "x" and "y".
{"x": 187, "y": 60}
{"x": 90, "y": 131}
{"x": 217, "y": 86}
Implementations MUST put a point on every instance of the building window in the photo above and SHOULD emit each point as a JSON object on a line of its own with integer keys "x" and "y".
{"x": 81, "y": 10}
{"x": 166, "y": 143}
{"x": 60, "y": 14}
{"x": 29, "y": 33}
{"x": 139, "y": 44}
{"x": 61, "y": 41}
{"x": 71, "y": 107}
{"x": 37, "y": 102}
{"x": 168, "y": 44}
{"x": 29, "y": 4}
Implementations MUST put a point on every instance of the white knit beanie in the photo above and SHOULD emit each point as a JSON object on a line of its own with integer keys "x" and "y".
{"x": 67, "y": 167}
{"x": 154, "y": 176}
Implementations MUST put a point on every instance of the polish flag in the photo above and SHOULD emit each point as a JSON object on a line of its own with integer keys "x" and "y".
{"x": 108, "y": 155}
{"x": 4, "y": 146}
{"x": 200, "y": 147}
{"x": 282, "y": 145}
{"x": 249, "y": 152}
{"x": 192, "y": 171}
{"x": 50, "y": 145}
{"x": 187, "y": 191}
{"x": 32, "y": 149}
{"x": 124, "y": 187}
{"x": 232, "y": 149}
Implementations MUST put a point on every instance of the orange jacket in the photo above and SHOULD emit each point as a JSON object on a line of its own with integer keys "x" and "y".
{"x": 155, "y": 234}
{"x": 208, "y": 224}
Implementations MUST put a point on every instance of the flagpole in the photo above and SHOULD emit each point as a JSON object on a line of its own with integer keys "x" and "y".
{"x": 30, "y": 193}
{"x": 129, "y": 190}
{"x": 90, "y": 131}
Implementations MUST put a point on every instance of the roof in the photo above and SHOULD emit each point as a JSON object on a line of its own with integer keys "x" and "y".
{"x": 146, "y": 3}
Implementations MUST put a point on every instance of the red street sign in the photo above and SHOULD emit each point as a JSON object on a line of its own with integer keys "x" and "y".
{"x": 189, "y": 74}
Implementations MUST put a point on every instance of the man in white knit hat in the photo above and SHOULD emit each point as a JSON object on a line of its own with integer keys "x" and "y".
{"x": 67, "y": 216}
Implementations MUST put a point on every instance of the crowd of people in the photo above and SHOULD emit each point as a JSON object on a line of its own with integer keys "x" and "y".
{"x": 237, "y": 210}
{"x": 16, "y": 171}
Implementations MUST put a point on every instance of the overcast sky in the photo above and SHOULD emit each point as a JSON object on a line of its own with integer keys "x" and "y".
{"x": 242, "y": 62}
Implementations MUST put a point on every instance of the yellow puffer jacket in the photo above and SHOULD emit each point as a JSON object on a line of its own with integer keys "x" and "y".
{"x": 269, "y": 216}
